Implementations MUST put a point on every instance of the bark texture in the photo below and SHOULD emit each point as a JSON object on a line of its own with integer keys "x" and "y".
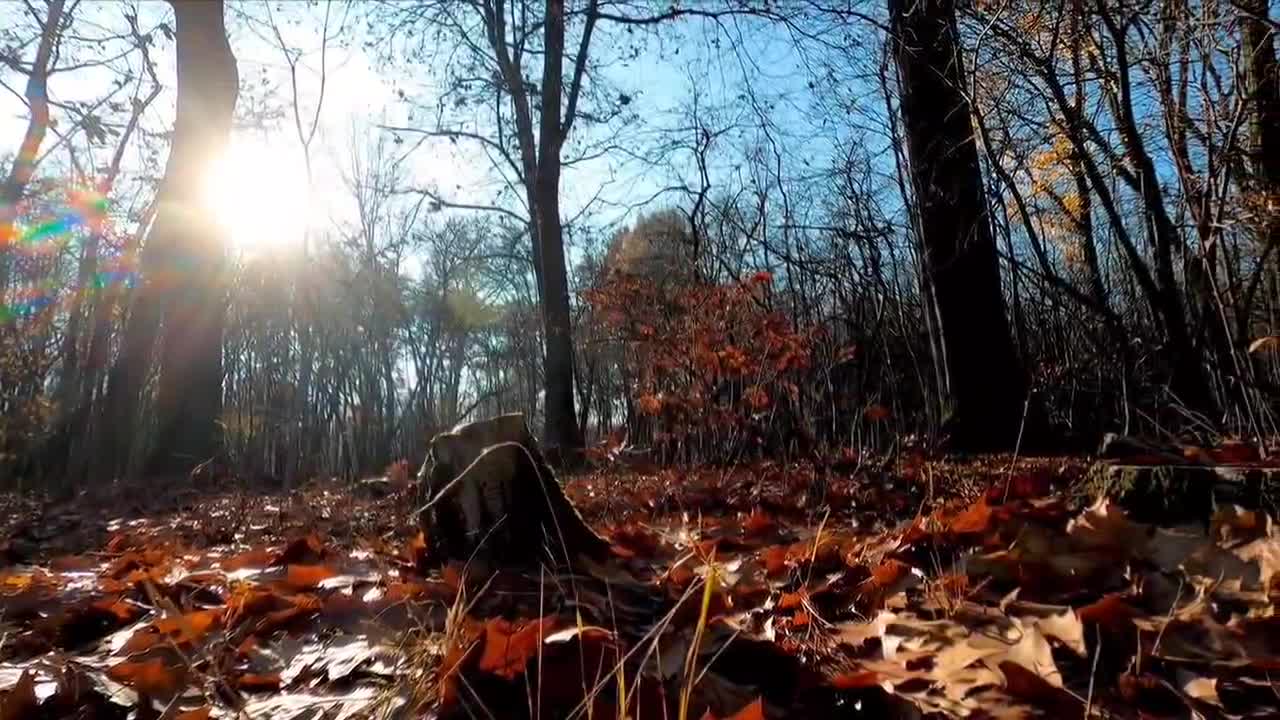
{"x": 983, "y": 386}
{"x": 492, "y": 501}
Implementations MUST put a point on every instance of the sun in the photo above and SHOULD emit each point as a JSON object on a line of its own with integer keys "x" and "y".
{"x": 258, "y": 192}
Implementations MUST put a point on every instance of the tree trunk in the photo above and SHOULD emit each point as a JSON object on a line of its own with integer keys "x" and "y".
{"x": 1262, "y": 87}
{"x": 183, "y": 262}
{"x": 983, "y": 384}
{"x": 561, "y": 429}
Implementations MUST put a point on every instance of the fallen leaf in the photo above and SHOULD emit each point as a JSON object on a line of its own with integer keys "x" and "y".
{"x": 758, "y": 523}
{"x": 149, "y": 677}
{"x": 303, "y": 577}
{"x": 1110, "y": 612}
{"x": 252, "y": 682}
{"x": 775, "y": 560}
{"x": 308, "y": 549}
{"x": 856, "y": 680}
{"x": 258, "y": 558}
{"x": 20, "y": 702}
{"x": 975, "y": 520}
{"x": 508, "y": 647}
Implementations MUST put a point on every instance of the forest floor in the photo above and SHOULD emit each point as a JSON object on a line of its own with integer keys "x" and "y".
{"x": 918, "y": 588}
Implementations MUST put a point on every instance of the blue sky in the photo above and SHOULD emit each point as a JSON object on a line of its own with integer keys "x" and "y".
{"x": 362, "y": 92}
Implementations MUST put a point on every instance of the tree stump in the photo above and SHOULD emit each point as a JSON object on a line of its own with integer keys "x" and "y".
{"x": 1156, "y": 484}
{"x": 492, "y": 501}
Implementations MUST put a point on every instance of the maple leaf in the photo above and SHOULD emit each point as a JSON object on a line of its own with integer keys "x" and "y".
{"x": 508, "y": 647}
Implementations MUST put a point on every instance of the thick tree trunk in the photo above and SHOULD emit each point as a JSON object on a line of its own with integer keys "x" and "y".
{"x": 183, "y": 262}
{"x": 189, "y": 396}
{"x": 561, "y": 430}
{"x": 983, "y": 385}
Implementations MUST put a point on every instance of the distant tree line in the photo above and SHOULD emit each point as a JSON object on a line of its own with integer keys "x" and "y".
{"x": 1001, "y": 225}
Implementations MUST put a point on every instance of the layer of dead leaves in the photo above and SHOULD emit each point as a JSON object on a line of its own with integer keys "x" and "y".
{"x": 768, "y": 591}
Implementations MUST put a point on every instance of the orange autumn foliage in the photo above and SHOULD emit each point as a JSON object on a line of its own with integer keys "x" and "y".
{"x": 708, "y": 360}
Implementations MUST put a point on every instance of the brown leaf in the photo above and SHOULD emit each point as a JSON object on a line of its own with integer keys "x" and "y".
{"x": 775, "y": 560}
{"x": 253, "y": 682}
{"x": 20, "y": 702}
{"x": 1110, "y": 612}
{"x": 258, "y": 558}
{"x": 200, "y": 713}
{"x": 856, "y": 680}
{"x": 303, "y": 577}
{"x": 307, "y": 549}
{"x": 149, "y": 677}
{"x": 758, "y": 524}
{"x": 975, "y": 520}
{"x": 191, "y": 627}
{"x": 1235, "y": 452}
{"x": 876, "y": 413}
{"x": 508, "y": 647}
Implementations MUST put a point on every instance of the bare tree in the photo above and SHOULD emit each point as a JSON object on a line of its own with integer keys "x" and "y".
{"x": 982, "y": 380}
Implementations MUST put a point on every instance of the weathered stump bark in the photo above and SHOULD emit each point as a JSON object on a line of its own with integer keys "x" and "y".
{"x": 492, "y": 501}
{"x": 1156, "y": 484}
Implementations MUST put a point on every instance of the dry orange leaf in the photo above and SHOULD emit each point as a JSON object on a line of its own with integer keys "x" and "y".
{"x": 976, "y": 520}
{"x": 856, "y": 680}
{"x": 758, "y": 523}
{"x": 191, "y": 627}
{"x": 508, "y": 647}
{"x": 452, "y": 576}
{"x": 416, "y": 550}
{"x": 302, "y": 577}
{"x": 1263, "y": 342}
{"x": 200, "y": 713}
{"x": 775, "y": 560}
{"x": 790, "y": 601}
{"x": 254, "y": 682}
{"x": 258, "y": 558}
{"x": 1234, "y": 452}
{"x": 149, "y": 677}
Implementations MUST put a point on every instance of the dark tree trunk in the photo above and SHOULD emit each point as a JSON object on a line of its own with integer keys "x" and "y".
{"x": 183, "y": 263}
{"x": 561, "y": 430}
{"x": 1262, "y": 86}
{"x": 189, "y": 396}
{"x": 983, "y": 385}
